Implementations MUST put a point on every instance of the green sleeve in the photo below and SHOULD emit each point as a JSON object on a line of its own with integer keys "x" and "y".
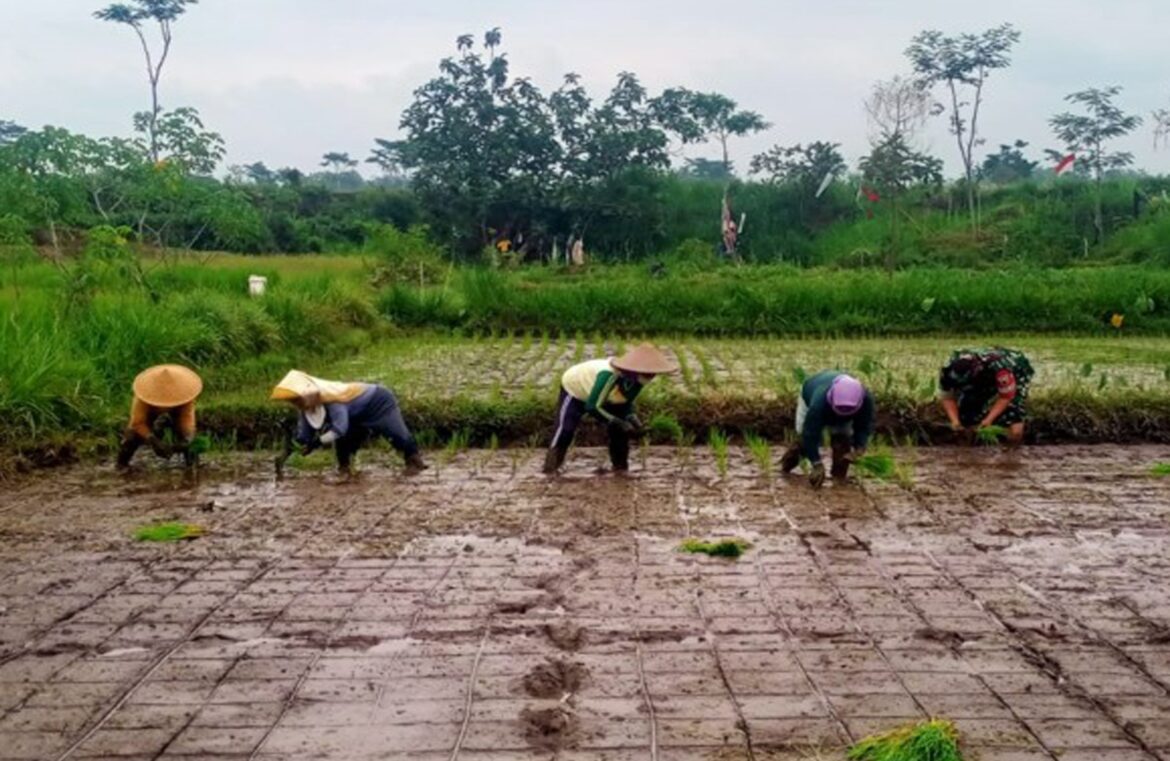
{"x": 602, "y": 388}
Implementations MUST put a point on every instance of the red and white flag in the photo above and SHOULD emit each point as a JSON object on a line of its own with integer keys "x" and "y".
{"x": 1065, "y": 163}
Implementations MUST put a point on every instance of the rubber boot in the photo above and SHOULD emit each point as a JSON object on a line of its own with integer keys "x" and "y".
{"x": 841, "y": 449}
{"x": 554, "y": 458}
{"x": 791, "y": 459}
{"x": 415, "y": 464}
{"x": 619, "y": 449}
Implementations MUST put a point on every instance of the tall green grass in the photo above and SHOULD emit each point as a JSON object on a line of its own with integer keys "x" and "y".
{"x": 68, "y": 364}
{"x": 779, "y": 300}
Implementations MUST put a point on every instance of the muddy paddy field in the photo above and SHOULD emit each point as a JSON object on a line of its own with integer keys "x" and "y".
{"x": 483, "y": 611}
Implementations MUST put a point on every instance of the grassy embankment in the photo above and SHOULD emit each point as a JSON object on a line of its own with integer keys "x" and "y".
{"x": 479, "y": 353}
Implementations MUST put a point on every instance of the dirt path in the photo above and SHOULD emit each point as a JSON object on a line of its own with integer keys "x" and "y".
{"x": 484, "y": 612}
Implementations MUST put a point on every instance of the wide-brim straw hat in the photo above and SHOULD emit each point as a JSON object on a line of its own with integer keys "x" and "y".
{"x": 646, "y": 359}
{"x": 168, "y": 386}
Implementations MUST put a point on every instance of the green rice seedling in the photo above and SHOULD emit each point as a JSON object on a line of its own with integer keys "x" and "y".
{"x": 761, "y": 452}
{"x": 664, "y": 426}
{"x": 685, "y": 447}
{"x": 869, "y": 366}
{"x": 1161, "y": 470}
{"x": 707, "y": 375}
{"x": 723, "y": 548}
{"x": 685, "y": 372}
{"x": 991, "y": 434}
{"x": 644, "y": 451}
{"x": 799, "y": 374}
{"x": 201, "y": 444}
{"x": 717, "y": 440}
{"x": 934, "y": 740}
{"x": 168, "y": 532}
{"x": 1086, "y": 369}
{"x": 879, "y": 465}
{"x": 1103, "y": 382}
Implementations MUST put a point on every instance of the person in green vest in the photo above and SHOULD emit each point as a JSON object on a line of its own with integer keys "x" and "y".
{"x": 605, "y": 389}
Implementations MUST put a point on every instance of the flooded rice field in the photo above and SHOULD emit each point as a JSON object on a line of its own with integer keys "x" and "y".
{"x": 483, "y": 611}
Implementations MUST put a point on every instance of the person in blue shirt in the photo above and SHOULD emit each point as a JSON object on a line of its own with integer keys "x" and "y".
{"x": 838, "y": 403}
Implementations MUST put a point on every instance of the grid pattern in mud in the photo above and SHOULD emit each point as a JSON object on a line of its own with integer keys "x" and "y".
{"x": 485, "y": 612}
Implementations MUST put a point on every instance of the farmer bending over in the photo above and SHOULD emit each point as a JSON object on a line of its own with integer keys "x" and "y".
{"x": 606, "y": 389}
{"x": 163, "y": 393}
{"x": 984, "y": 387}
{"x": 840, "y": 403}
{"x": 346, "y": 415}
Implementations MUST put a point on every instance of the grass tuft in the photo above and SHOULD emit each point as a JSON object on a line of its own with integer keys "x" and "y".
{"x": 1161, "y": 470}
{"x": 724, "y": 548}
{"x": 934, "y": 740}
{"x": 168, "y": 532}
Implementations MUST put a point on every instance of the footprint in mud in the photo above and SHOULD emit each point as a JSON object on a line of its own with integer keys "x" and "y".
{"x": 565, "y": 636}
{"x": 555, "y": 679}
{"x": 549, "y": 728}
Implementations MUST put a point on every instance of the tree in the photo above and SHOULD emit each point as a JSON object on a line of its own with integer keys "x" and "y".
{"x": 1008, "y": 165}
{"x": 963, "y": 64}
{"x": 10, "y": 131}
{"x": 134, "y": 14}
{"x": 800, "y": 164}
{"x": 180, "y": 138}
{"x": 711, "y": 170}
{"x": 893, "y": 167}
{"x": 491, "y": 155}
{"x": 703, "y": 116}
{"x": 338, "y": 162}
{"x": 897, "y": 107}
{"x": 1086, "y": 135}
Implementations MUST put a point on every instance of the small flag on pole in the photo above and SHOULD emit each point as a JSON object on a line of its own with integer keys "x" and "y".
{"x": 824, "y": 184}
{"x": 1065, "y": 163}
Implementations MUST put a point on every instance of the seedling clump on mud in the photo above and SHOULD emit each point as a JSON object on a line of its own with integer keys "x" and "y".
{"x": 169, "y": 532}
{"x": 991, "y": 434}
{"x": 1161, "y": 470}
{"x": 934, "y": 740}
{"x": 880, "y": 466}
{"x": 724, "y": 548}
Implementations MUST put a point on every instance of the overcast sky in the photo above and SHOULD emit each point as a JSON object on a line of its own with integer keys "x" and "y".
{"x": 286, "y": 80}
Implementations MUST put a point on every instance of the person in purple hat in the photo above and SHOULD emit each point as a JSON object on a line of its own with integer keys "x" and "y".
{"x": 837, "y": 402}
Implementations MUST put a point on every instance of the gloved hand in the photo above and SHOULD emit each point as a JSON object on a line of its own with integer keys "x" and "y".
{"x": 328, "y": 438}
{"x": 630, "y": 426}
{"x": 816, "y": 476}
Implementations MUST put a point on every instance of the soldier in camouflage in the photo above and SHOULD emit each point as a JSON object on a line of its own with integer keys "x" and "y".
{"x": 984, "y": 387}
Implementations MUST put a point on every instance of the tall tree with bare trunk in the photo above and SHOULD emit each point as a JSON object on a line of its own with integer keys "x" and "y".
{"x": 137, "y": 14}
{"x": 962, "y": 65}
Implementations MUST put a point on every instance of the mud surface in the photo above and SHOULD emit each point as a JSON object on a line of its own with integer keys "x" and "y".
{"x": 482, "y": 611}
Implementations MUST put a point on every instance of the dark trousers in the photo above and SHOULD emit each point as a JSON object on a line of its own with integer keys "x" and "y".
{"x": 570, "y": 411}
{"x": 160, "y": 424}
{"x": 381, "y": 419}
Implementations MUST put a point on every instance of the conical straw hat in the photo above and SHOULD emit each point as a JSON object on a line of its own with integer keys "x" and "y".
{"x": 646, "y": 359}
{"x": 167, "y": 386}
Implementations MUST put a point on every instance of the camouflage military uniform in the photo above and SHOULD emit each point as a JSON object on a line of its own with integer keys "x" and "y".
{"x": 976, "y": 378}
